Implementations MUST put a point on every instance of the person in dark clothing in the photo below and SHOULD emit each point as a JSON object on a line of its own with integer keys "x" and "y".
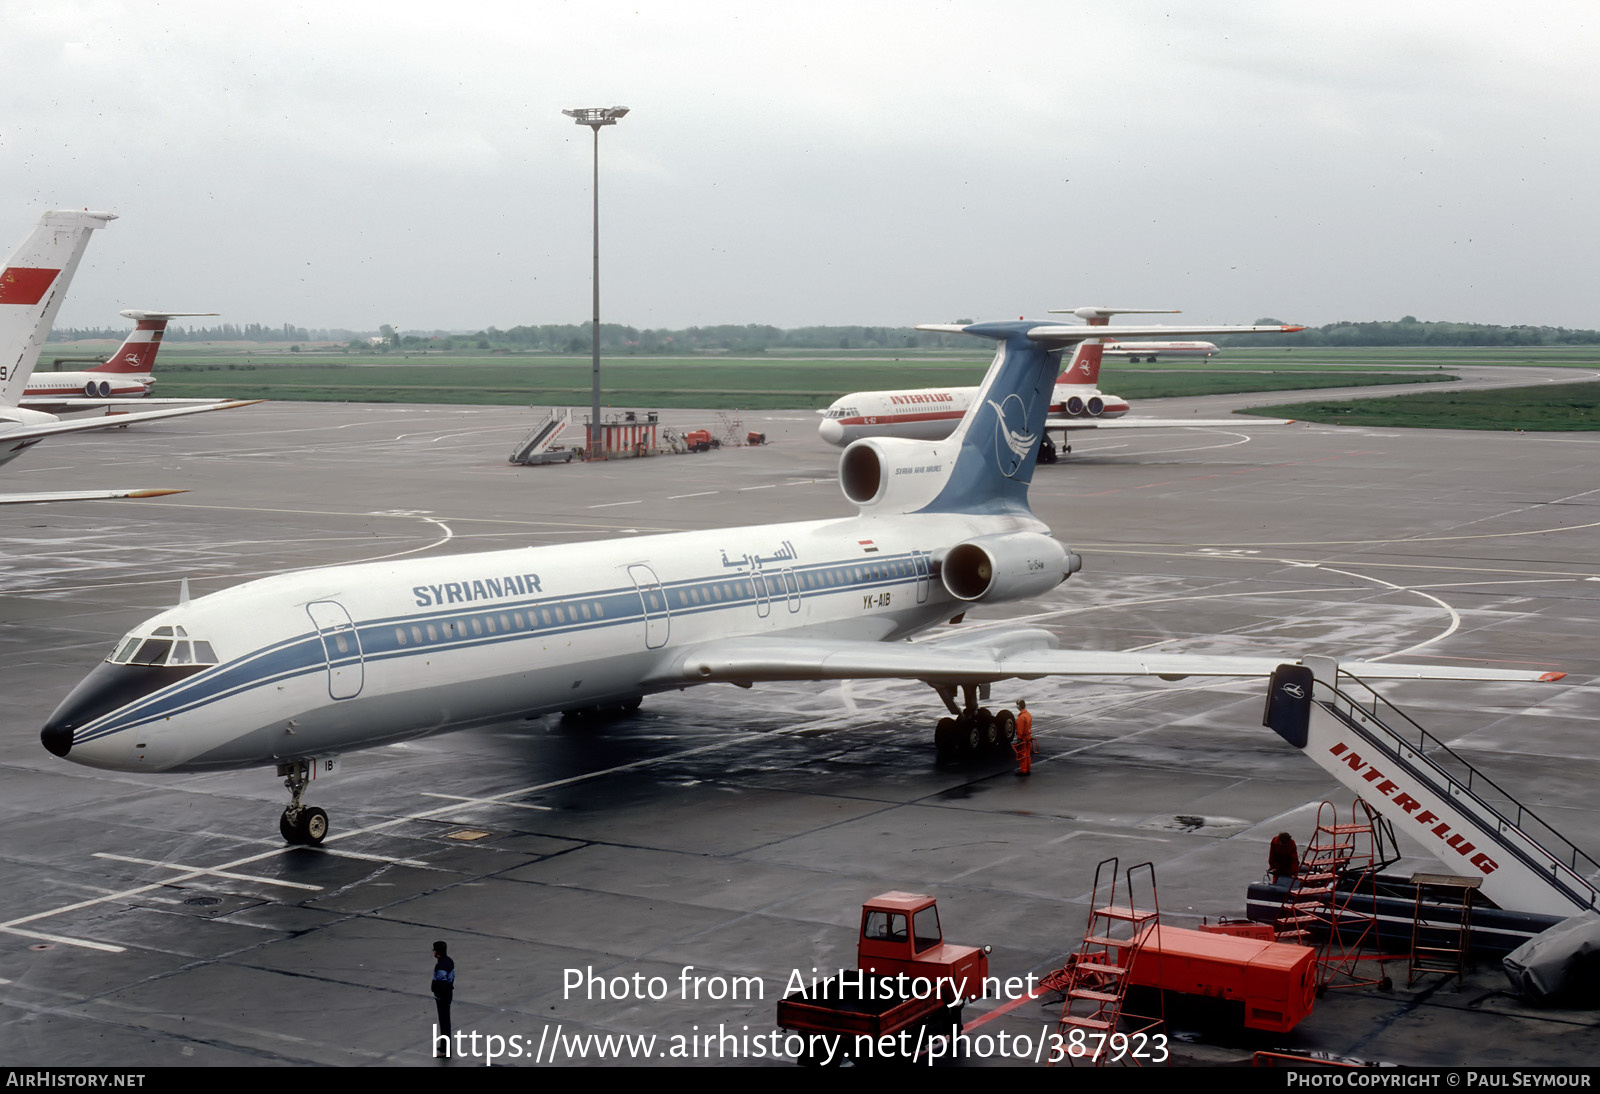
{"x": 1283, "y": 858}
{"x": 444, "y": 987}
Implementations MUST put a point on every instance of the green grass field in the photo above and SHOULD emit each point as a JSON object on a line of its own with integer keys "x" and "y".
{"x": 701, "y": 382}
{"x": 1544, "y": 408}
{"x": 813, "y": 380}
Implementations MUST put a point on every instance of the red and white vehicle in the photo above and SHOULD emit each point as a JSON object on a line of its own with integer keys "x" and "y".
{"x": 126, "y": 374}
{"x": 931, "y": 414}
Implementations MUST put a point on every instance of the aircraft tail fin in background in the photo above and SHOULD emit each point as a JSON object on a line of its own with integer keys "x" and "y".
{"x": 997, "y": 442}
{"x": 137, "y": 354}
{"x": 32, "y": 287}
{"x": 1085, "y": 365}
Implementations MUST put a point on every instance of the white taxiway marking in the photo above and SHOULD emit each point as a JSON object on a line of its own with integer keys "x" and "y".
{"x": 464, "y": 800}
{"x": 612, "y": 504}
{"x": 701, "y": 494}
{"x": 256, "y": 879}
{"x": 65, "y": 941}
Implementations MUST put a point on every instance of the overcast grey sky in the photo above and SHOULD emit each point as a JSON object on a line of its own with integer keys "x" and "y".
{"x": 353, "y": 163}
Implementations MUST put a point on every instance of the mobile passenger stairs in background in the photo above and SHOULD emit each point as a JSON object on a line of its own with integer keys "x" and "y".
{"x": 537, "y": 447}
{"x": 1412, "y": 780}
{"x": 1094, "y": 982}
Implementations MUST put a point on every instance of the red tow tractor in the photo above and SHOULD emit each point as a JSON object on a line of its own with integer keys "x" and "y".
{"x": 908, "y": 985}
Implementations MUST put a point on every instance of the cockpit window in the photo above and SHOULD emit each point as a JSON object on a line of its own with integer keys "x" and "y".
{"x": 162, "y": 649}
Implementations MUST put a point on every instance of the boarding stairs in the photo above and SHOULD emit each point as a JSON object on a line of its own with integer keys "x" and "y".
{"x": 1413, "y": 780}
{"x": 1094, "y": 983}
{"x": 535, "y": 447}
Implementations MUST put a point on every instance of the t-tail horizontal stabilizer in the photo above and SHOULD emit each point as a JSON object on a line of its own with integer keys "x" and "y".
{"x": 997, "y": 442}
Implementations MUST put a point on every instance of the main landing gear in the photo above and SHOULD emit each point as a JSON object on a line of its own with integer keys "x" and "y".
{"x": 300, "y": 823}
{"x": 974, "y": 731}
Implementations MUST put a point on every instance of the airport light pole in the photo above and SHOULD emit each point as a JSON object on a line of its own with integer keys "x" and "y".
{"x": 594, "y": 117}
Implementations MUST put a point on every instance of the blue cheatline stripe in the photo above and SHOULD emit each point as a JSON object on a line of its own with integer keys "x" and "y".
{"x": 304, "y": 653}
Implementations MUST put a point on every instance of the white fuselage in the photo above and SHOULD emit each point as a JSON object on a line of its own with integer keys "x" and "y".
{"x": 331, "y": 660}
{"x": 88, "y": 385}
{"x": 931, "y": 414}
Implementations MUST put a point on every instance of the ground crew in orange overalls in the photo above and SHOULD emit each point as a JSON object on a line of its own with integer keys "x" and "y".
{"x": 1023, "y": 746}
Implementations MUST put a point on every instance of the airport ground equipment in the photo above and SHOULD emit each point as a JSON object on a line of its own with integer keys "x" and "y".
{"x": 1094, "y": 983}
{"x": 1271, "y": 985}
{"x": 1495, "y": 931}
{"x": 906, "y": 977}
{"x": 1441, "y": 929}
{"x": 623, "y": 435}
{"x": 1415, "y": 781}
{"x": 1324, "y": 903}
{"x": 539, "y": 446}
{"x": 730, "y": 427}
{"x": 700, "y": 440}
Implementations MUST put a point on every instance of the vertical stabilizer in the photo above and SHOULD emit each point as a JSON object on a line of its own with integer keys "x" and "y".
{"x": 137, "y": 354}
{"x": 1085, "y": 365}
{"x": 31, "y": 290}
{"x": 997, "y": 442}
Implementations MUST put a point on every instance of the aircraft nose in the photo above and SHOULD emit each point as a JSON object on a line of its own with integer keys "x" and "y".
{"x": 56, "y": 736}
{"x": 108, "y": 687}
{"x": 831, "y": 431}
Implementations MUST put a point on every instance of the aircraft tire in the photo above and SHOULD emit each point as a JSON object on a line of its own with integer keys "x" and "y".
{"x": 1005, "y": 729}
{"x": 944, "y": 740}
{"x": 313, "y": 826}
{"x": 307, "y": 830}
{"x": 969, "y": 734}
{"x": 988, "y": 735}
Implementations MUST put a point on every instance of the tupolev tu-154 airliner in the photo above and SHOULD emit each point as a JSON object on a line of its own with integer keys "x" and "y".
{"x": 293, "y": 670}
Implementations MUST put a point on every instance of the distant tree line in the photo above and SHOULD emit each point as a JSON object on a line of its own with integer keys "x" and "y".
{"x": 618, "y": 339}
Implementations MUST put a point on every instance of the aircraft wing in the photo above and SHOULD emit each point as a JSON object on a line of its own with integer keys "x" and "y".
{"x": 84, "y": 495}
{"x": 1024, "y": 654}
{"x": 110, "y": 421}
{"x": 56, "y": 405}
{"x": 1065, "y": 333}
{"x": 1157, "y": 423}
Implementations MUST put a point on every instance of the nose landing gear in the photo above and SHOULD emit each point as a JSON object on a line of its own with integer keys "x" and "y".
{"x": 301, "y": 824}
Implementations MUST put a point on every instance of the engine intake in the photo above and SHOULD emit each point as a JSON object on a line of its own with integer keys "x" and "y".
{"x": 1008, "y": 566}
